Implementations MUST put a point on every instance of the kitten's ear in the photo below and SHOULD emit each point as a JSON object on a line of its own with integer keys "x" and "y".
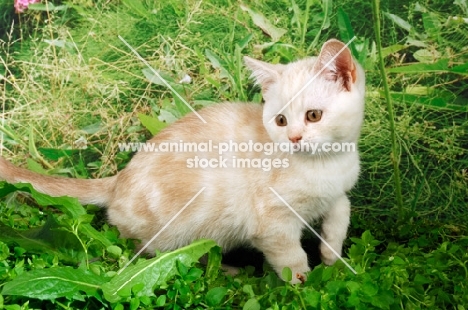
{"x": 264, "y": 73}
{"x": 338, "y": 62}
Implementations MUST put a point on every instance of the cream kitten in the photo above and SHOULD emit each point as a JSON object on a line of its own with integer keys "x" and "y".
{"x": 237, "y": 206}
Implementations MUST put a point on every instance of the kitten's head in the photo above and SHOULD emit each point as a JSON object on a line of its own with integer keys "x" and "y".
{"x": 316, "y": 100}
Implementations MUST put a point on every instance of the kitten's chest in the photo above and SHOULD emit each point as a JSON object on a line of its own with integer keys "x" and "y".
{"x": 339, "y": 172}
{"x": 315, "y": 185}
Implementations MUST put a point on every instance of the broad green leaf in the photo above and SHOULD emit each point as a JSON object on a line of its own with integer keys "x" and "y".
{"x": 438, "y": 67}
{"x": 11, "y": 136}
{"x": 397, "y": 260}
{"x": 32, "y": 146}
{"x": 431, "y": 23}
{"x": 432, "y": 101}
{"x": 353, "y": 300}
{"x": 48, "y": 238}
{"x": 425, "y": 55}
{"x": 157, "y": 78}
{"x": 420, "y": 279}
{"x": 263, "y": 23}
{"x": 214, "y": 59}
{"x": 114, "y": 251}
{"x": 417, "y": 90}
{"x": 67, "y": 205}
{"x": 334, "y": 287}
{"x": 461, "y": 69}
{"x": 249, "y": 290}
{"x": 252, "y": 304}
{"x": 153, "y": 124}
{"x": 243, "y": 43}
{"x": 392, "y": 49}
{"x": 214, "y": 263}
{"x": 298, "y": 16}
{"x": 160, "y": 301}
{"x": 369, "y": 288}
{"x": 346, "y": 31}
{"x": 4, "y": 250}
{"x": 92, "y": 128}
{"x": 193, "y": 274}
{"x": 363, "y": 51}
{"x": 182, "y": 270}
{"x": 94, "y": 234}
{"x": 134, "y": 303}
{"x": 55, "y": 154}
{"x": 399, "y": 21}
{"x": 167, "y": 116}
{"x": 286, "y": 274}
{"x": 34, "y": 166}
{"x": 181, "y": 105}
{"x": 315, "y": 277}
{"x": 327, "y": 274}
{"x": 415, "y": 42}
{"x": 218, "y": 64}
{"x": 367, "y": 237}
{"x": 353, "y": 286}
{"x": 154, "y": 271}
{"x": 326, "y": 8}
{"x": 383, "y": 300}
{"x": 215, "y": 296}
{"x": 311, "y": 297}
{"x": 357, "y": 241}
{"x": 54, "y": 283}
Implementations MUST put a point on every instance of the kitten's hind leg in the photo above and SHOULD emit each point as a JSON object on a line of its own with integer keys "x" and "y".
{"x": 334, "y": 229}
{"x": 230, "y": 270}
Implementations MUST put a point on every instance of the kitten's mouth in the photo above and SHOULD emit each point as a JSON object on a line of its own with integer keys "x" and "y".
{"x": 300, "y": 147}
{"x": 312, "y": 148}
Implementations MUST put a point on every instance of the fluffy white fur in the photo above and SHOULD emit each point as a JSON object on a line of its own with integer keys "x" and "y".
{"x": 237, "y": 207}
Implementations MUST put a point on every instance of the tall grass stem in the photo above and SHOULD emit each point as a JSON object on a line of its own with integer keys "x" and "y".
{"x": 395, "y": 154}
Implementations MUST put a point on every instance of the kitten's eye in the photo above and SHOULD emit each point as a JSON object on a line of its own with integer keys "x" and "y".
{"x": 314, "y": 115}
{"x": 281, "y": 120}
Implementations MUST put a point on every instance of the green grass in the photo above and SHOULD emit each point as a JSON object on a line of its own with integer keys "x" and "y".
{"x": 65, "y": 77}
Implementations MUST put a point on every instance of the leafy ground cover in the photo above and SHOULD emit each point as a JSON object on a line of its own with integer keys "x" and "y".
{"x": 71, "y": 90}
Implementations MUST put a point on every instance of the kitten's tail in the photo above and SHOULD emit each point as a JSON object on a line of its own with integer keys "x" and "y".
{"x": 88, "y": 191}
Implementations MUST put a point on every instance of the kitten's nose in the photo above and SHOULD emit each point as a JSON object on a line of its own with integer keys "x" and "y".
{"x": 295, "y": 139}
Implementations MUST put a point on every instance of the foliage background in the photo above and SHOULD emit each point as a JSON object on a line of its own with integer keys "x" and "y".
{"x": 67, "y": 81}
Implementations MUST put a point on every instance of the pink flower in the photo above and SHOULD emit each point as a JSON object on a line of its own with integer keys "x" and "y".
{"x": 21, "y": 5}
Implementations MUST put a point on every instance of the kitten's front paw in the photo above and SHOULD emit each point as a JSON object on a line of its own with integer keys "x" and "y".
{"x": 327, "y": 255}
{"x": 301, "y": 278}
{"x": 298, "y": 277}
{"x": 299, "y": 274}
